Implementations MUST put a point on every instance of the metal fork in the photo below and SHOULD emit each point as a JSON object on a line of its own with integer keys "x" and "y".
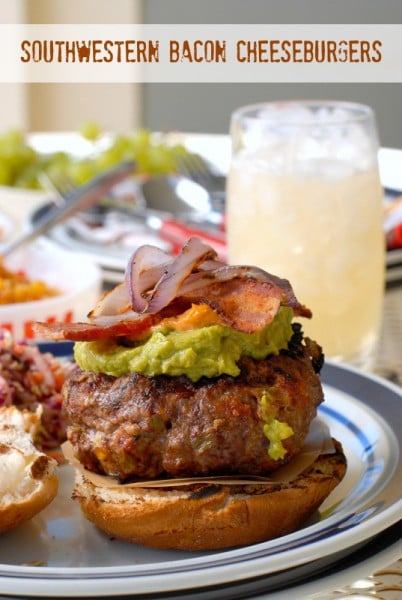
{"x": 195, "y": 167}
{"x": 70, "y": 200}
{"x": 61, "y": 187}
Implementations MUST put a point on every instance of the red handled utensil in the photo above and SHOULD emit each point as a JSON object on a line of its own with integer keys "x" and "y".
{"x": 177, "y": 234}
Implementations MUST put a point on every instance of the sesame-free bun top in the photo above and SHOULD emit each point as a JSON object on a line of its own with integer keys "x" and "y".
{"x": 28, "y": 482}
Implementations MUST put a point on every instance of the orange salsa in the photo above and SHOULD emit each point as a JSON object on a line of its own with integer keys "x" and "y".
{"x": 17, "y": 287}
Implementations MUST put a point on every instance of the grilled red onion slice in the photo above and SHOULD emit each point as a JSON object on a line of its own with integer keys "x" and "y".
{"x": 154, "y": 278}
{"x": 246, "y": 298}
{"x": 211, "y": 265}
{"x": 111, "y": 320}
{"x": 144, "y": 270}
{"x": 113, "y": 302}
{"x": 192, "y": 255}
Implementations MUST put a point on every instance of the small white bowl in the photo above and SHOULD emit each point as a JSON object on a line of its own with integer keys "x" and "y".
{"x": 76, "y": 276}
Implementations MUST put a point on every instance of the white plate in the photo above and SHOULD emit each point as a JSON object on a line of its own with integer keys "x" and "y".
{"x": 363, "y": 412}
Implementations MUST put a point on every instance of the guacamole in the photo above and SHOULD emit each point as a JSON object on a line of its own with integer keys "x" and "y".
{"x": 207, "y": 351}
{"x": 275, "y": 431}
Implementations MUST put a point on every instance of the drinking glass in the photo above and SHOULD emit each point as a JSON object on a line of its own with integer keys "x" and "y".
{"x": 304, "y": 201}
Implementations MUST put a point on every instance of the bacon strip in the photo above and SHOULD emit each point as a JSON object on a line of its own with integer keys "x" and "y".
{"x": 207, "y": 282}
{"x": 247, "y": 306}
{"x": 88, "y": 332}
{"x": 246, "y": 298}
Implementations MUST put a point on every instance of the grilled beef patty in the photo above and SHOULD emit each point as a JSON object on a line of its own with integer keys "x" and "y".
{"x": 136, "y": 426}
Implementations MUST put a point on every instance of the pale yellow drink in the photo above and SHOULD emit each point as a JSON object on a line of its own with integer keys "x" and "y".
{"x": 323, "y": 232}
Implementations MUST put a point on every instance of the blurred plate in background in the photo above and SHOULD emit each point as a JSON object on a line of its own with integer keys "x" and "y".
{"x": 111, "y": 240}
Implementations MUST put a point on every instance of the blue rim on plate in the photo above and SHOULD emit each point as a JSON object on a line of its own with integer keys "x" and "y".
{"x": 363, "y": 412}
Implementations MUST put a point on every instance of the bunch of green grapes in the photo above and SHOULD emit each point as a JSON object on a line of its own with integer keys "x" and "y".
{"x": 22, "y": 166}
{"x": 17, "y": 160}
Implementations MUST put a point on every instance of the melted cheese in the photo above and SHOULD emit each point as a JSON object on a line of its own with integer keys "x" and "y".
{"x": 199, "y": 315}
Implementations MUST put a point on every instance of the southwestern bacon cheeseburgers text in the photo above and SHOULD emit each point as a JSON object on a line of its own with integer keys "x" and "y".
{"x": 191, "y": 368}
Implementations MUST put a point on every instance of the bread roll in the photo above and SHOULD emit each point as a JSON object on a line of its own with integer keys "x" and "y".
{"x": 28, "y": 481}
{"x": 209, "y": 516}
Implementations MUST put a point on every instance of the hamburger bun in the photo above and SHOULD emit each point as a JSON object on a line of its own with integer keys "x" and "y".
{"x": 210, "y": 516}
{"x": 28, "y": 482}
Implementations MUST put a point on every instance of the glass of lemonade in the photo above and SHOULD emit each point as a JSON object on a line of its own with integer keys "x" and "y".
{"x": 304, "y": 201}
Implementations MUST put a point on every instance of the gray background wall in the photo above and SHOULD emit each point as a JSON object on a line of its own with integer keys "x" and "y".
{"x": 207, "y": 107}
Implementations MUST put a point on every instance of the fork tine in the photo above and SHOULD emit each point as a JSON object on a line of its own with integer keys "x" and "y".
{"x": 62, "y": 186}
{"x": 196, "y": 168}
{"x": 82, "y": 198}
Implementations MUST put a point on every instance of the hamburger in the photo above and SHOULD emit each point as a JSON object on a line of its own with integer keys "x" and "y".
{"x": 193, "y": 386}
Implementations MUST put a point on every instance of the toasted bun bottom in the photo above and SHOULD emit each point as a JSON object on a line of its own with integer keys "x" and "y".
{"x": 28, "y": 482}
{"x": 210, "y": 516}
